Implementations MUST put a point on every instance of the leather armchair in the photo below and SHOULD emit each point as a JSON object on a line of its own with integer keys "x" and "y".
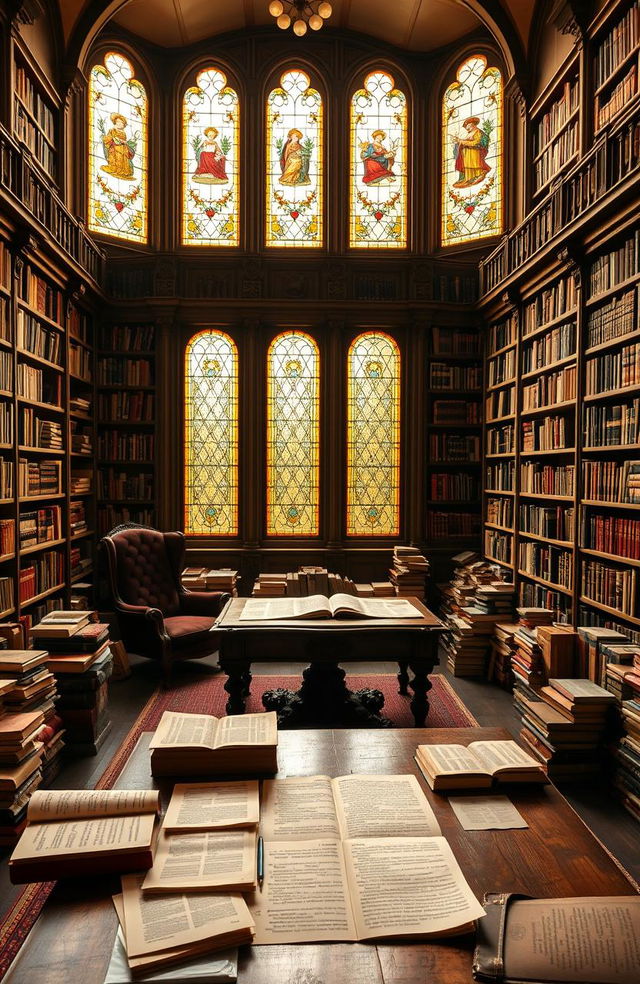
{"x": 158, "y": 617}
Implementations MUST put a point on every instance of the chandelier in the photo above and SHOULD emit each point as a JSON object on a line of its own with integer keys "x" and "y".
{"x": 302, "y": 13}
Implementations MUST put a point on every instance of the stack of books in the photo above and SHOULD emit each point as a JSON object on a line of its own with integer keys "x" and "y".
{"x": 270, "y": 586}
{"x": 592, "y": 640}
{"x": 409, "y": 572}
{"x": 526, "y": 660}
{"x": 503, "y": 646}
{"x": 206, "y": 579}
{"x": 623, "y": 682}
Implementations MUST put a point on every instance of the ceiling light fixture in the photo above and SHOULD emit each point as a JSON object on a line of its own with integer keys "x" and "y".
{"x": 301, "y": 13}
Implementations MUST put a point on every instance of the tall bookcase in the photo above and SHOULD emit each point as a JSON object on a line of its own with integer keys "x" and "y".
{"x": 616, "y": 51}
{"x": 499, "y": 472}
{"x": 35, "y": 111}
{"x": 555, "y": 126}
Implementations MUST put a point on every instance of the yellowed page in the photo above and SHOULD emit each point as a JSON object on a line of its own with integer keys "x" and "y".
{"x": 576, "y": 940}
{"x": 139, "y": 962}
{"x": 196, "y": 862}
{"x": 486, "y": 813}
{"x": 177, "y": 729}
{"x": 298, "y": 808}
{"x": 157, "y": 923}
{"x": 373, "y": 607}
{"x": 209, "y": 805}
{"x": 383, "y": 806}
{"x": 247, "y": 729}
{"x": 62, "y": 804}
{"x": 74, "y": 837}
{"x": 276, "y": 609}
{"x": 407, "y": 886}
{"x": 447, "y": 760}
{"x": 497, "y": 755}
{"x": 304, "y": 897}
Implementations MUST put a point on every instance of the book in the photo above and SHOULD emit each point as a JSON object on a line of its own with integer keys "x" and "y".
{"x": 16, "y": 662}
{"x": 203, "y": 860}
{"x": 477, "y": 766}
{"x": 319, "y": 606}
{"x": 200, "y": 744}
{"x": 582, "y": 691}
{"x": 84, "y": 833}
{"x": 51, "y": 628}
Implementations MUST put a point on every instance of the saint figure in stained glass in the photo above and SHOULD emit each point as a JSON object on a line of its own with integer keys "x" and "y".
{"x": 378, "y": 161}
{"x": 211, "y": 158}
{"x": 294, "y": 161}
{"x": 119, "y": 150}
{"x": 470, "y": 152}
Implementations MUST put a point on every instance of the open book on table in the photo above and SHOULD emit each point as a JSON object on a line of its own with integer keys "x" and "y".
{"x": 200, "y": 744}
{"x": 356, "y": 858}
{"x": 478, "y": 765}
{"x": 85, "y": 832}
{"x": 319, "y": 606}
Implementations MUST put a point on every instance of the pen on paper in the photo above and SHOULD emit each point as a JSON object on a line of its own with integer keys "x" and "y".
{"x": 260, "y": 862}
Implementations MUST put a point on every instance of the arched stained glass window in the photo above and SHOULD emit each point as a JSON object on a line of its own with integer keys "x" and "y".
{"x": 211, "y": 435}
{"x": 472, "y": 153}
{"x": 373, "y": 436}
{"x": 378, "y": 164}
{"x": 294, "y": 163}
{"x": 117, "y": 151}
{"x": 293, "y": 485}
{"x": 210, "y": 162}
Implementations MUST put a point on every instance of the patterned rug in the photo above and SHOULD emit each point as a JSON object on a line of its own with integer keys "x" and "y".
{"x": 206, "y": 694}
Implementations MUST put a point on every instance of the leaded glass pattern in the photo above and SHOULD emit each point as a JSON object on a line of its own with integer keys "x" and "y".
{"x": 378, "y": 164}
{"x": 472, "y": 153}
{"x": 373, "y": 436}
{"x": 210, "y": 162}
{"x": 294, "y": 179}
{"x": 293, "y": 431}
{"x": 117, "y": 151}
{"x": 211, "y": 435}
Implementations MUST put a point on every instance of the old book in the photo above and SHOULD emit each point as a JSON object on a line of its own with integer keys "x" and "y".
{"x": 62, "y": 627}
{"x": 477, "y": 766}
{"x": 200, "y": 744}
{"x": 203, "y": 860}
{"x": 212, "y": 806}
{"x": 74, "y": 662}
{"x": 17, "y": 662}
{"x": 81, "y": 832}
{"x": 582, "y": 692}
{"x": 319, "y": 606}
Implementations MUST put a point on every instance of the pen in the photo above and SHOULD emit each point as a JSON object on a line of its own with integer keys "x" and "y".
{"x": 260, "y": 862}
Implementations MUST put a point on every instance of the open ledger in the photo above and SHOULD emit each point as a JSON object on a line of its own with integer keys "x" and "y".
{"x": 200, "y": 744}
{"x": 81, "y": 832}
{"x": 477, "y": 766}
{"x": 356, "y": 858}
{"x": 319, "y": 606}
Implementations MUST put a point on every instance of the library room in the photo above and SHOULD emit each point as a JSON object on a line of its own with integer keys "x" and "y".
{"x": 320, "y": 491}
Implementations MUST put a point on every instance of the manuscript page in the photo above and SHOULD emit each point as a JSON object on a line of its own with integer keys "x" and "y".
{"x": 383, "y": 806}
{"x": 208, "y": 860}
{"x": 451, "y": 760}
{"x": 208, "y": 805}
{"x": 247, "y": 729}
{"x": 97, "y": 836}
{"x": 176, "y": 730}
{"x": 497, "y": 755}
{"x": 62, "y": 804}
{"x": 486, "y": 813}
{"x": 298, "y": 809}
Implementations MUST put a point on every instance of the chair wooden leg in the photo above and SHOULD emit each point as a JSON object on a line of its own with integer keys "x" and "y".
{"x": 166, "y": 666}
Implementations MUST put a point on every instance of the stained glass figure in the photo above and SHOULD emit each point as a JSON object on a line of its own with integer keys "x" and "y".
{"x": 117, "y": 151}
{"x": 293, "y": 486}
{"x": 378, "y": 168}
{"x": 211, "y": 435}
{"x": 373, "y": 436}
{"x": 210, "y": 162}
{"x": 294, "y": 180}
{"x": 472, "y": 153}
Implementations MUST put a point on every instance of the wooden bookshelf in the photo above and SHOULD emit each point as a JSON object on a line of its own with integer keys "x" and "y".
{"x": 35, "y": 110}
{"x": 615, "y": 43}
{"x": 555, "y": 123}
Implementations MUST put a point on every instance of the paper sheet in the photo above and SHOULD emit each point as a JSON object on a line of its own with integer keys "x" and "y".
{"x": 486, "y": 813}
{"x": 209, "y": 805}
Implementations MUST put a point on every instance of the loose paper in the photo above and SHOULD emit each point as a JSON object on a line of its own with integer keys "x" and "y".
{"x": 486, "y": 813}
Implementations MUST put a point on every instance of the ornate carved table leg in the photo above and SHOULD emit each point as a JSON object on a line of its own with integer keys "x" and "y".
{"x": 237, "y": 686}
{"x": 403, "y": 677}
{"x": 420, "y": 685}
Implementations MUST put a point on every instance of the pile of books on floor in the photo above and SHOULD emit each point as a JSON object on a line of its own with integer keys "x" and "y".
{"x": 409, "y": 572}
{"x": 79, "y": 655}
{"x": 622, "y": 680}
{"x": 211, "y": 579}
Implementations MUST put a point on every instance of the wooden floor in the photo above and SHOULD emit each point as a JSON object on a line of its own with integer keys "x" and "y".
{"x": 491, "y": 706}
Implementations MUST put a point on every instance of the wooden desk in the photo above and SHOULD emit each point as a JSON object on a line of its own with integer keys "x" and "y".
{"x": 557, "y": 856}
{"x": 323, "y": 699}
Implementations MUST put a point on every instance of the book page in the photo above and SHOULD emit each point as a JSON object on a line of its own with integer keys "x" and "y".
{"x": 156, "y": 923}
{"x": 177, "y": 729}
{"x": 373, "y": 607}
{"x": 486, "y": 813}
{"x": 298, "y": 808}
{"x": 247, "y": 729}
{"x": 304, "y": 897}
{"x": 97, "y": 836}
{"x": 583, "y": 939}
{"x": 383, "y": 806}
{"x": 195, "y": 862}
{"x": 208, "y": 805}
{"x": 262, "y": 610}
{"x": 452, "y": 760}
{"x": 407, "y": 886}
{"x": 216, "y": 968}
{"x": 61, "y": 804}
{"x": 182, "y": 953}
{"x": 497, "y": 755}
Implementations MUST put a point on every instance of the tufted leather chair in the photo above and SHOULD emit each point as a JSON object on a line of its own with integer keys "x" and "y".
{"x": 158, "y": 618}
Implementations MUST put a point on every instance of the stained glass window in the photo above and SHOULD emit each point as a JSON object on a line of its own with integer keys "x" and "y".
{"x": 117, "y": 151}
{"x": 472, "y": 153}
{"x": 211, "y": 435}
{"x": 210, "y": 141}
{"x": 378, "y": 164}
{"x": 293, "y": 435}
{"x": 294, "y": 163}
{"x": 373, "y": 436}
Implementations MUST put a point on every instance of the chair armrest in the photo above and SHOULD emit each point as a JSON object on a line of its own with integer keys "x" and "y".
{"x": 205, "y": 603}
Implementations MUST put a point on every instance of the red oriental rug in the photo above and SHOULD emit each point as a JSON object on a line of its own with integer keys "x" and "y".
{"x": 206, "y": 694}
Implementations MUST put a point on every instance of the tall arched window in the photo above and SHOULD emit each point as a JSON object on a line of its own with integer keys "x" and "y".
{"x": 295, "y": 163}
{"x": 117, "y": 151}
{"x": 293, "y": 431}
{"x": 378, "y": 164}
{"x": 211, "y": 435}
{"x": 210, "y": 162}
{"x": 472, "y": 153}
{"x": 373, "y": 436}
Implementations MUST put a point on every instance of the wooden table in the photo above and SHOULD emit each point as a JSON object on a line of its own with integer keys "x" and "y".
{"x": 323, "y": 699}
{"x": 556, "y": 856}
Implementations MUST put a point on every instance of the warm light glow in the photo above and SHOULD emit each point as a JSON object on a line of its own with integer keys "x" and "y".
{"x": 325, "y": 10}
{"x": 275, "y": 8}
{"x": 315, "y": 22}
{"x": 299, "y": 28}
{"x": 283, "y": 21}
{"x": 304, "y": 14}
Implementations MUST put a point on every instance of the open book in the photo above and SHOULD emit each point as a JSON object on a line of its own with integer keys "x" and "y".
{"x": 80, "y": 832}
{"x": 200, "y": 744}
{"x": 356, "y": 858}
{"x": 319, "y": 606}
{"x": 477, "y": 766}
